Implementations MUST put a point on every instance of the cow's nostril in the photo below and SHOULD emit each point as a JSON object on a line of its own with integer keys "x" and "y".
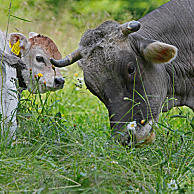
{"x": 59, "y": 81}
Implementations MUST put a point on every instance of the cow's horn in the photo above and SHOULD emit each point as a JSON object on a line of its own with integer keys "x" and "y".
{"x": 68, "y": 60}
{"x": 130, "y": 27}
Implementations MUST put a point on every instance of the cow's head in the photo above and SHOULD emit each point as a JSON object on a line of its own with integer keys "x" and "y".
{"x": 36, "y": 52}
{"x": 127, "y": 73}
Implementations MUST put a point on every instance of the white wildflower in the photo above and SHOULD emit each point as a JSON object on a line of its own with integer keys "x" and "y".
{"x": 114, "y": 162}
{"x": 172, "y": 185}
{"x": 93, "y": 167}
{"x": 132, "y": 125}
{"x": 79, "y": 83}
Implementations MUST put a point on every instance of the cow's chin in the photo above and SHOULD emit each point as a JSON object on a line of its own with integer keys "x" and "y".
{"x": 137, "y": 138}
{"x": 43, "y": 89}
{"x": 144, "y": 135}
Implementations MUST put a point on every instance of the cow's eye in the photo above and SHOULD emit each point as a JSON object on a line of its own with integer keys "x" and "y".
{"x": 131, "y": 69}
{"x": 40, "y": 59}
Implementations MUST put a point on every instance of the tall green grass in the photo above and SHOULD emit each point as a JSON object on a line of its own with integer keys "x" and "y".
{"x": 67, "y": 147}
{"x": 64, "y": 143}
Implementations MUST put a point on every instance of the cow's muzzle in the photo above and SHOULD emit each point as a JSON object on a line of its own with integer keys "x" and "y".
{"x": 142, "y": 135}
{"x": 59, "y": 82}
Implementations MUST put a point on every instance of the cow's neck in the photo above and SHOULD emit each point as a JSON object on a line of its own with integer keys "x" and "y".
{"x": 180, "y": 85}
{"x": 166, "y": 24}
{"x": 173, "y": 23}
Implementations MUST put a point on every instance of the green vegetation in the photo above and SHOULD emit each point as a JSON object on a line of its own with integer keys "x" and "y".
{"x": 63, "y": 141}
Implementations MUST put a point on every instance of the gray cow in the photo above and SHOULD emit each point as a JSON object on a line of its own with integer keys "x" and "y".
{"x": 138, "y": 68}
{"x": 28, "y": 60}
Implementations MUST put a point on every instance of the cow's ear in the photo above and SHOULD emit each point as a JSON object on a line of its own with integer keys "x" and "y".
{"x": 18, "y": 43}
{"x": 32, "y": 34}
{"x": 158, "y": 52}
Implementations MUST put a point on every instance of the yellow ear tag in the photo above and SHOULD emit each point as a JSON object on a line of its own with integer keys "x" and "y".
{"x": 16, "y": 48}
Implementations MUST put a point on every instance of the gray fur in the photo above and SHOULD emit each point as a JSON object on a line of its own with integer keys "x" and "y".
{"x": 108, "y": 55}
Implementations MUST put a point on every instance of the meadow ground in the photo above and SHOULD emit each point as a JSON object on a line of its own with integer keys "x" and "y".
{"x": 64, "y": 143}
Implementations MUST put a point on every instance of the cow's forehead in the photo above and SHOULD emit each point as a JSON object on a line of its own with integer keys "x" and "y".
{"x": 47, "y": 45}
{"x": 102, "y": 44}
{"x": 106, "y": 30}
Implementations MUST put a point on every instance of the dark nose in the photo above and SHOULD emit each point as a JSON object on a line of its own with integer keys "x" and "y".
{"x": 59, "y": 81}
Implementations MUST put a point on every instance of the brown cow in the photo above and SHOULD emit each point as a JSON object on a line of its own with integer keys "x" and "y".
{"x": 38, "y": 75}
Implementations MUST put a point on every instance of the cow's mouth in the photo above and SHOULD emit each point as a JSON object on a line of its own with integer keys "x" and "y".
{"x": 144, "y": 134}
{"x": 141, "y": 135}
{"x": 44, "y": 87}
{"x": 58, "y": 87}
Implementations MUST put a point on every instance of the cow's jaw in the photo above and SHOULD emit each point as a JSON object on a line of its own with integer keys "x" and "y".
{"x": 145, "y": 134}
{"x": 134, "y": 138}
{"x": 41, "y": 84}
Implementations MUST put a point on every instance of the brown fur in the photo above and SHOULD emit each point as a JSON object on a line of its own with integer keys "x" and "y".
{"x": 47, "y": 44}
